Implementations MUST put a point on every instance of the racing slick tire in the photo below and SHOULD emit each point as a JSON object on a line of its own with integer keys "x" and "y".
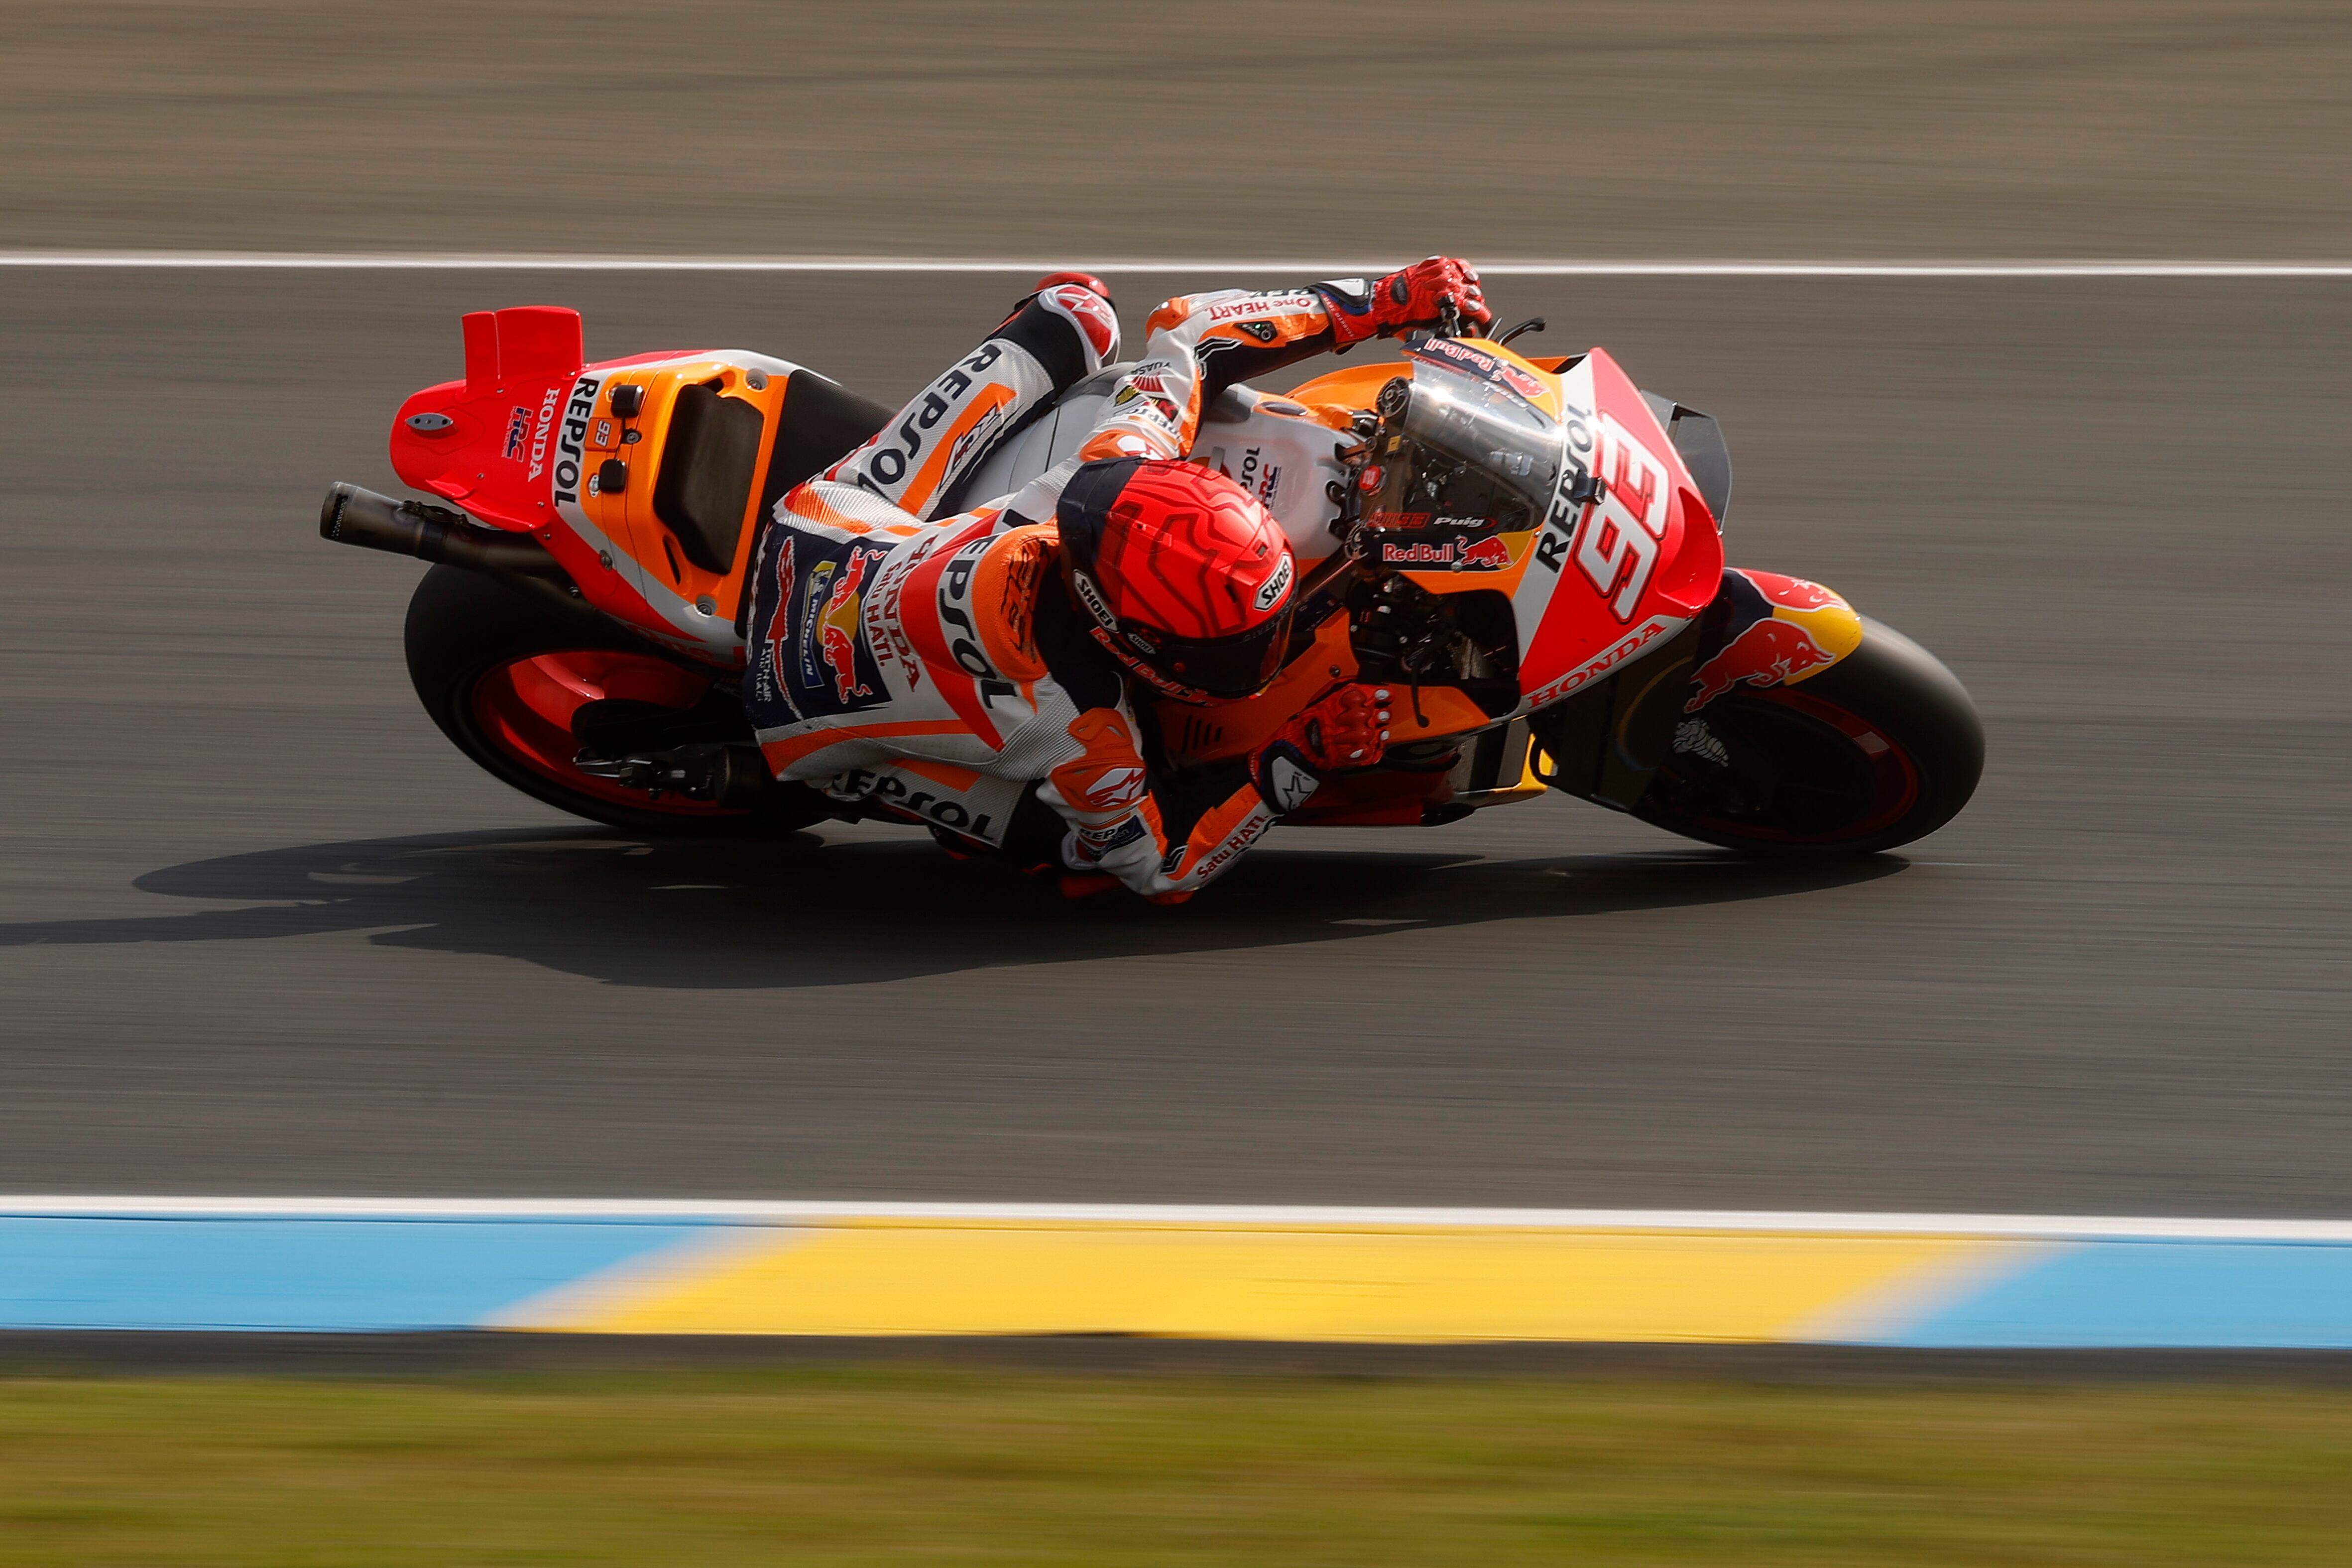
{"x": 1882, "y": 748}
{"x": 506, "y": 669}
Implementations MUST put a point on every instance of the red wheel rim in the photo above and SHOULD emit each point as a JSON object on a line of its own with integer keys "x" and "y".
{"x": 1894, "y": 778}
{"x": 524, "y": 710}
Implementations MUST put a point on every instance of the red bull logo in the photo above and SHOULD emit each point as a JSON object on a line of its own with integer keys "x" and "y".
{"x": 1489, "y": 554}
{"x": 1766, "y": 654}
{"x": 837, "y": 629}
{"x": 1519, "y": 381}
{"x": 1797, "y": 628}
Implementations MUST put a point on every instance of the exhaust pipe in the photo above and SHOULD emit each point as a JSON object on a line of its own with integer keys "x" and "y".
{"x": 355, "y": 516}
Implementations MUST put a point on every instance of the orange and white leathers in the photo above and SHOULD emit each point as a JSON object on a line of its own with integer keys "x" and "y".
{"x": 936, "y": 667}
{"x": 1201, "y": 343}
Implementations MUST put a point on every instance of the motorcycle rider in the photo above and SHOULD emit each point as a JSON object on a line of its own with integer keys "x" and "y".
{"x": 972, "y": 672}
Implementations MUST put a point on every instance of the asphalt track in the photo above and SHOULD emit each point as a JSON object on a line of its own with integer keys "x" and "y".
{"x": 262, "y": 931}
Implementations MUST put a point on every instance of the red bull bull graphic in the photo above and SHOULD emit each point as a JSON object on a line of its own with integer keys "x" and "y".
{"x": 768, "y": 684}
{"x": 1768, "y": 653}
{"x": 836, "y": 627}
{"x": 1779, "y": 630}
{"x": 1487, "y": 555}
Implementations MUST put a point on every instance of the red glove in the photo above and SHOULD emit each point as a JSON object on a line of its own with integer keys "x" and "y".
{"x": 1347, "y": 729}
{"x": 1413, "y": 299}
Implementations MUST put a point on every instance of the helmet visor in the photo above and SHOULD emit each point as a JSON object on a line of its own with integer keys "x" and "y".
{"x": 1235, "y": 667}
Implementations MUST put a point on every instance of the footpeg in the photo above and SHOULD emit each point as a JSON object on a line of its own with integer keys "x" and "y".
{"x": 720, "y": 774}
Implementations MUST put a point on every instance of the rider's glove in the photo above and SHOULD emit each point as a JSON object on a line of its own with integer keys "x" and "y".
{"x": 1411, "y": 298}
{"x": 1346, "y": 730}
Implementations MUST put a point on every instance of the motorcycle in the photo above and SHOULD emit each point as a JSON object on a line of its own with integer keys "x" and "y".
{"x": 1526, "y": 550}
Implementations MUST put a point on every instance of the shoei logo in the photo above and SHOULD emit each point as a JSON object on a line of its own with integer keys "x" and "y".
{"x": 1091, "y": 597}
{"x": 1276, "y": 586}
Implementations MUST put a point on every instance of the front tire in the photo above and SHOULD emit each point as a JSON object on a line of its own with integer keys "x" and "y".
{"x": 1882, "y": 748}
{"x": 503, "y": 670}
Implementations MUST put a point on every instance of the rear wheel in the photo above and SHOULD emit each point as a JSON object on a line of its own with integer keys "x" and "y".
{"x": 514, "y": 677}
{"x": 1881, "y": 749}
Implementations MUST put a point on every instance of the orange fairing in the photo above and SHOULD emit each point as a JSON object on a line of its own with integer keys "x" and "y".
{"x": 529, "y": 439}
{"x": 1355, "y": 386}
{"x": 670, "y": 580}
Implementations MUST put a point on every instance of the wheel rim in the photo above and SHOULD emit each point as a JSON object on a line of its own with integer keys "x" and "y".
{"x": 523, "y": 710}
{"x": 1796, "y": 770}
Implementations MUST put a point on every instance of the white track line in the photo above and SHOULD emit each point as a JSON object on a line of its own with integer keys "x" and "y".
{"x": 788, "y": 1212}
{"x": 229, "y": 261}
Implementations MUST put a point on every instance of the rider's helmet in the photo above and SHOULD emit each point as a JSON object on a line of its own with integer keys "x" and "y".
{"x": 1180, "y": 573}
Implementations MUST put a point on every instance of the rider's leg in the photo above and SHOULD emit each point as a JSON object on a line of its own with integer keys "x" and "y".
{"x": 1056, "y": 337}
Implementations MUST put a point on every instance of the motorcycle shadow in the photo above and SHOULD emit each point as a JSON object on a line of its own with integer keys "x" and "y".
{"x": 802, "y": 913}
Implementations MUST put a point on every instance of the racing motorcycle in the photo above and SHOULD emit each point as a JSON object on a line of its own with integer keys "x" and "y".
{"x": 1527, "y": 549}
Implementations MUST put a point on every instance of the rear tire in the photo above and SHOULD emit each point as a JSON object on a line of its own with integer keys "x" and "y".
{"x": 1882, "y": 748}
{"x": 502, "y": 670}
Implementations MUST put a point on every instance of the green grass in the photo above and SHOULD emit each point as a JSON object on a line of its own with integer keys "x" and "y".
{"x": 875, "y": 1467}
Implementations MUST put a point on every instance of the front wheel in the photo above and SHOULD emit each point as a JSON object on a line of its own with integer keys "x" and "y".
{"x": 511, "y": 675}
{"x": 1882, "y": 748}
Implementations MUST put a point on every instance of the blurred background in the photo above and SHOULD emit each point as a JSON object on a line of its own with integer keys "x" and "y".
{"x": 1514, "y": 128}
{"x": 263, "y": 931}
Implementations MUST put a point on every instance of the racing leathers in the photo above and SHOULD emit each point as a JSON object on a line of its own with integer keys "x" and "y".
{"x": 936, "y": 666}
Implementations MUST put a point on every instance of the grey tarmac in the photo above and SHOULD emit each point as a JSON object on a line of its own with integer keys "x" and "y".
{"x": 263, "y": 931}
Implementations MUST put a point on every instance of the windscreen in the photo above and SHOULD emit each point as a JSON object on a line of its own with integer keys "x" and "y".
{"x": 1471, "y": 449}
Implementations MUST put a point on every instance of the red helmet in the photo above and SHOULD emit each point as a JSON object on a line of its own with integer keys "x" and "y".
{"x": 1186, "y": 578}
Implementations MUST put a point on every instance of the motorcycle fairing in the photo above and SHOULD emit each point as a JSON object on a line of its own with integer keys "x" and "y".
{"x": 1761, "y": 629}
{"x": 1284, "y": 453}
{"x": 638, "y": 564}
{"x": 1626, "y": 555}
{"x": 523, "y": 443}
{"x": 1628, "y": 551}
{"x": 1767, "y": 630}
{"x": 1605, "y": 577}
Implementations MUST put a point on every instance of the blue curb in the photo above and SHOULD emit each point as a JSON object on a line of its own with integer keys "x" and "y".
{"x": 2235, "y": 1295}
{"x": 322, "y": 1276}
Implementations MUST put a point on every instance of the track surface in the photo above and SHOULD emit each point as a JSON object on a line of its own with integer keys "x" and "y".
{"x": 261, "y": 930}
